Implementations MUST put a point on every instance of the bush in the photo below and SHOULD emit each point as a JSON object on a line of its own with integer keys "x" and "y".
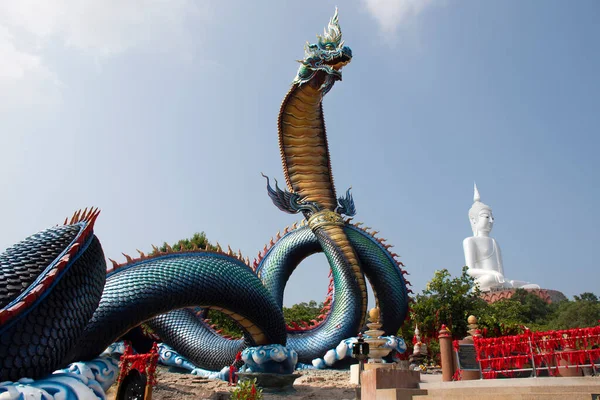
{"x": 246, "y": 390}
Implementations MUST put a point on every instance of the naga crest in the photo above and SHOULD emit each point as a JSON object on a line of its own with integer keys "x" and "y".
{"x": 328, "y": 55}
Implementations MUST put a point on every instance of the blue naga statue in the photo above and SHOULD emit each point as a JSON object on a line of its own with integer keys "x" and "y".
{"x": 58, "y": 305}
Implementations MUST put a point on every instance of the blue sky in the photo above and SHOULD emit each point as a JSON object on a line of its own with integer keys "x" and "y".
{"x": 163, "y": 114}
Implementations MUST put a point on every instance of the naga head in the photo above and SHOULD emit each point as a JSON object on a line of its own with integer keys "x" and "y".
{"x": 324, "y": 60}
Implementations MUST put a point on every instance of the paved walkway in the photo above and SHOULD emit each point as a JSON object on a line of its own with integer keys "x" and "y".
{"x": 435, "y": 382}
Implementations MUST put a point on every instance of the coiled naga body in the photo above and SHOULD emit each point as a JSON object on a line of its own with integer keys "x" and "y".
{"x": 58, "y": 305}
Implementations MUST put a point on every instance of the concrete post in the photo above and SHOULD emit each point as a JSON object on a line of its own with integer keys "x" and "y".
{"x": 446, "y": 355}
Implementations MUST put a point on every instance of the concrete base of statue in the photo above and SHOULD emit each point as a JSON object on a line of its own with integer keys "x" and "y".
{"x": 548, "y": 295}
{"x": 368, "y": 366}
{"x": 390, "y": 383}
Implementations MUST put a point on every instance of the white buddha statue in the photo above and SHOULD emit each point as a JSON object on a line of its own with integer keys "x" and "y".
{"x": 482, "y": 253}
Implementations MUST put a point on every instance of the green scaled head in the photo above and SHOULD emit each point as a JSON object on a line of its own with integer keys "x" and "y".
{"x": 324, "y": 60}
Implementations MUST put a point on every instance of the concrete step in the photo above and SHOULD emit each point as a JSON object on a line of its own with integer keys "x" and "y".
{"x": 551, "y": 392}
{"x": 398, "y": 394}
{"x": 389, "y": 384}
{"x": 506, "y": 396}
{"x": 521, "y": 389}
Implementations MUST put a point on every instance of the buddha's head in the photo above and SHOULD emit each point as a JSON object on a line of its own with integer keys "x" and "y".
{"x": 480, "y": 216}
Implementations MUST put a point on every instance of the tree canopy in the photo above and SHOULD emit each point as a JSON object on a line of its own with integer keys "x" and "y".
{"x": 582, "y": 312}
{"x": 450, "y": 301}
{"x": 302, "y": 312}
{"x": 198, "y": 240}
{"x": 446, "y": 300}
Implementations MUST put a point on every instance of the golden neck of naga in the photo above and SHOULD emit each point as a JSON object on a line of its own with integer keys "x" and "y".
{"x": 325, "y": 218}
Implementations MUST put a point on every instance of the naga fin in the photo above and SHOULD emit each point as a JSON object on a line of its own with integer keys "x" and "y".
{"x": 287, "y": 201}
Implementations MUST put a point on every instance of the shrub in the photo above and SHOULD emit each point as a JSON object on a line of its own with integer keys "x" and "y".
{"x": 246, "y": 390}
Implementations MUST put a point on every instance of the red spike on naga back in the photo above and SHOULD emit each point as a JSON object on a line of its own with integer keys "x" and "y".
{"x": 114, "y": 263}
{"x": 295, "y": 326}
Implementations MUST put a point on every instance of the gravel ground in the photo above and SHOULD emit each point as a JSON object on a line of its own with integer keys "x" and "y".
{"x": 313, "y": 384}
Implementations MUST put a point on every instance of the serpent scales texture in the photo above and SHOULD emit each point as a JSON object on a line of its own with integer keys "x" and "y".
{"x": 57, "y": 304}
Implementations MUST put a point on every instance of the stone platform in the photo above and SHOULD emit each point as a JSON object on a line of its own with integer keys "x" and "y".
{"x": 579, "y": 388}
{"x": 354, "y": 369}
{"x": 390, "y": 383}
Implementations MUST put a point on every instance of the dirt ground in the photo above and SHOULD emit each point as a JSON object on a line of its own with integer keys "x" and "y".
{"x": 313, "y": 384}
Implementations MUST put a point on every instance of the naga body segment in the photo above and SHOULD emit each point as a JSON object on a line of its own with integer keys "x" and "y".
{"x": 58, "y": 305}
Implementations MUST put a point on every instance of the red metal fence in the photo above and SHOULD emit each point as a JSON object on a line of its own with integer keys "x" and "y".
{"x": 538, "y": 351}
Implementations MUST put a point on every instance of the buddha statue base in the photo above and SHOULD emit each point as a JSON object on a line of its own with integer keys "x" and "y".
{"x": 548, "y": 295}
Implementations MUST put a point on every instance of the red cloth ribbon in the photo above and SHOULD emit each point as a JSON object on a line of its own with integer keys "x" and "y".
{"x": 144, "y": 363}
{"x": 578, "y": 346}
{"x": 233, "y": 369}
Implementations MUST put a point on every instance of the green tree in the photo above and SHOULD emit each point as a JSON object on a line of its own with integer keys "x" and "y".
{"x": 198, "y": 240}
{"x": 227, "y": 325}
{"x": 583, "y": 311}
{"x": 449, "y": 301}
{"x": 302, "y": 312}
{"x": 511, "y": 316}
{"x": 587, "y": 296}
{"x": 502, "y": 317}
{"x": 537, "y": 312}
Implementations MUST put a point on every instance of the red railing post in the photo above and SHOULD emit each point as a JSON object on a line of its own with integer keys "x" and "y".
{"x": 446, "y": 357}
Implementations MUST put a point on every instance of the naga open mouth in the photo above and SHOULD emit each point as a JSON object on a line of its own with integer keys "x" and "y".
{"x": 340, "y": 65}
{"x": 339, "y": 62}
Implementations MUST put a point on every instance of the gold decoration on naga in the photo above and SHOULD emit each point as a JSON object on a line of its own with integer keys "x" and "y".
{"x": 325, "y": 218}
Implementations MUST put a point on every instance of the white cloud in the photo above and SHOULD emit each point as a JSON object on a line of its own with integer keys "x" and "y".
{"x": 96, "y": 28}
{"x": 24, "y": 79}
{"x": 390, "y": 14}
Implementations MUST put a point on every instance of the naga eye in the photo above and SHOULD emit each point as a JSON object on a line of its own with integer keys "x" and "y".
{"x": 329, "y": 46}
